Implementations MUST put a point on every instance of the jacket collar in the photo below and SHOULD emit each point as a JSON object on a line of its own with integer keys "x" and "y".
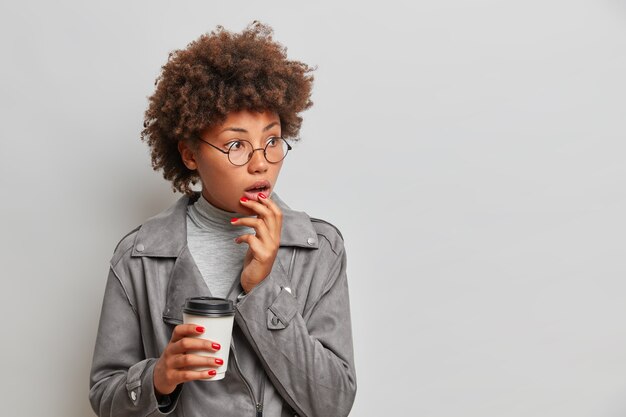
{"x": 165, "y": 235}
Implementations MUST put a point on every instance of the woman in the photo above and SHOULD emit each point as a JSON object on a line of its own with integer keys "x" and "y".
{"x": 220, "y": 115}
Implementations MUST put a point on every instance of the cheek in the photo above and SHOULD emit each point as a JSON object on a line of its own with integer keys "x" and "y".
{"x": 224, "y": 183}
{"x": 276, "y": 170}
{"x": 211, "y": 171}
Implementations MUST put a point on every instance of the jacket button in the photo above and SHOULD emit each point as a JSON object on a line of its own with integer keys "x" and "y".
{"x": 140, "y": 247}
{"x": 133, "y": 396}
{"x": 310, "y": 241}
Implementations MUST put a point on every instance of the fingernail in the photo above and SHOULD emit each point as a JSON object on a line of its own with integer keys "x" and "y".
{"x": 244, "y": 199}
{"x": 200, "y": 329}
{"x": 219, "y": 361}
{"x": 262, "y": 195}
{"x": 212, "y": 372}
{"x": 216, "y": 346}
{"x": 234, "y": 219}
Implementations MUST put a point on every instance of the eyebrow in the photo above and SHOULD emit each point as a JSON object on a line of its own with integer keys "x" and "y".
{"x": 240, "y": 129}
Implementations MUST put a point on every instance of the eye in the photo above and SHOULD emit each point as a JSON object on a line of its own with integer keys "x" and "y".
{"x": 235, "y": 145}
{"x": 271, "y": 142}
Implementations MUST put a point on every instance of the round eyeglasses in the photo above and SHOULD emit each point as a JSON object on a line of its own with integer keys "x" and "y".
{"x": 240, "y": 151}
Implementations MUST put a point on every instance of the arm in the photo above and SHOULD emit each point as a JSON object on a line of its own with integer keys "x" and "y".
{"x": 310, "y": 362}
{"x": 121, "y": 379}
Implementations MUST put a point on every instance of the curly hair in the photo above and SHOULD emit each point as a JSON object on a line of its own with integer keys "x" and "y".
{"x": 216, "y": 74}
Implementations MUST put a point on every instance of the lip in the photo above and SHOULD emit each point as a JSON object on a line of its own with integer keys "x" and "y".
{"x": 259, "y": 184}
{"x": 254, "y": 195}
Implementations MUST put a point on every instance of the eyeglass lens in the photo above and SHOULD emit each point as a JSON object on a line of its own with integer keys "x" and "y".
{"x": 240, "y": 152}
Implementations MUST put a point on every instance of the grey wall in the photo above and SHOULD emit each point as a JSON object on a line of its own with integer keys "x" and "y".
{"x": 472, "y": 153}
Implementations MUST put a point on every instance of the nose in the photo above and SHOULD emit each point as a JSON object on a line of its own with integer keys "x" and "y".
{"x": 257, "y": 163}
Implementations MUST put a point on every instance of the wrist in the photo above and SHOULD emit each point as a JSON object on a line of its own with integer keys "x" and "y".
{"x": 246, "y": 284}
{"x": 162, "y": 393}
{"x": 161, "y": 389}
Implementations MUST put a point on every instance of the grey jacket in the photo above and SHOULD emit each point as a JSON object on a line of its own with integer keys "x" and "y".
{"x": 291, "y": 351}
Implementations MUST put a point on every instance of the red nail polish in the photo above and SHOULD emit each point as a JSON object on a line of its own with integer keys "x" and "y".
{"x": 200, "y": 329}
{"x": 216, "y": 346}
{"x": 212, "y": 372}
{"x": 244, "y": 199}
{"x": 219, "y": 361}
{"x": 262, "y": 195}
{"x": 234, "y": 219}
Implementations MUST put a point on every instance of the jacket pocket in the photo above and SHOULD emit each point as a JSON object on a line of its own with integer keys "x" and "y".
{"x": 133, "y": 384}
{"x": 282, "y": 310}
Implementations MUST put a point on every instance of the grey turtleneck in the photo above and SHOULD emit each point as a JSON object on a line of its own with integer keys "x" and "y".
{"x": 211, "y": 241}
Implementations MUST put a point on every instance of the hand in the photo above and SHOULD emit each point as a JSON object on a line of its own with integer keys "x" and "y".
{"x": 263, "y": 245}
{"x": 172, "y": 367}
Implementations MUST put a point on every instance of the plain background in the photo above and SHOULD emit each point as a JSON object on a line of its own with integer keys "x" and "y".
{"x": 471, "y": 152}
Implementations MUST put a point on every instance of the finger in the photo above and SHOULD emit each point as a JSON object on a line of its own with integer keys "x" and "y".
{"x": 269, "y": 203}
{"x": 186, "y": 376}
{"x": 246, "y": 221}
{"x": 259, "y": 250}
{"x": 185, "y": 330}
{"x": 191, "y": 343}
{"x": 266, "y": 214}
{"x": 260, "y": 226}
{"x": 252, "y": 241}
{"x": 191, "y": 360}
{"x": 277, "y": 219}
{"x": 256, "y": 206}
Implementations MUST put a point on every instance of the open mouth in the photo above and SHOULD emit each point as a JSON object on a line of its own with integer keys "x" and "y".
{"x": 256, "y": 188}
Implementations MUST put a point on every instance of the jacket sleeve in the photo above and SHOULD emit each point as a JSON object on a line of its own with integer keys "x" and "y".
{"x": 121, "y": 381}
{"x": 310, "y": 362}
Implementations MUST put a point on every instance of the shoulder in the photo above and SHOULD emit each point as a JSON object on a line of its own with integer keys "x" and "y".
{"x": 300, "y": 229}
{"x": 124, "y": 246}
{"x": 329, "y": 232}
{"x": 162, "y": 235}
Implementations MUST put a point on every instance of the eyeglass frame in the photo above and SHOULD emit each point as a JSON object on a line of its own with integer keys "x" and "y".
{"x": 264, "y": 149}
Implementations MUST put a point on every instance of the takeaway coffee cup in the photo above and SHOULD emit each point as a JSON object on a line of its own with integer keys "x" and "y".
{"x": 216, "y": 316}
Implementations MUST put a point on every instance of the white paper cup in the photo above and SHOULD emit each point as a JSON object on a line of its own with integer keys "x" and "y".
{"x": 216, "y": 316}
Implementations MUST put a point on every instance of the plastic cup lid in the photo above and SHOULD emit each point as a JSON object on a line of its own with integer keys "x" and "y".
{"x": 209, "y": 306}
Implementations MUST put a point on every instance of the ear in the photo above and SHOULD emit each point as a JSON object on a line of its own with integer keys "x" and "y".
{"x": 187, "y": 155}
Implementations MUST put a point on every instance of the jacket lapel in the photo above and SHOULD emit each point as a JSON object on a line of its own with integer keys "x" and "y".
{"x": 185, "y": 281}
